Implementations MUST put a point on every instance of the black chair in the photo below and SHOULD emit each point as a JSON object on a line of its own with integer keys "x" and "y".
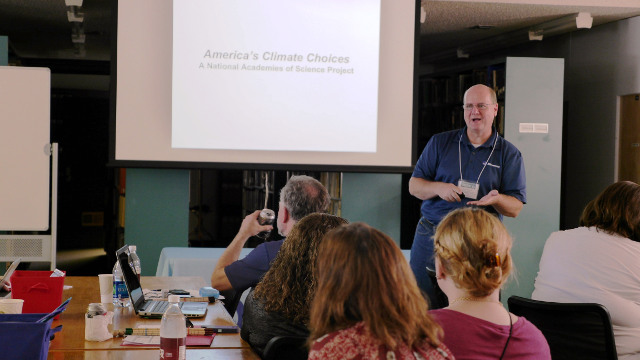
{"x": 439, "y": 300}
{"x": 573, "y": 330}
{"x": 286, "y": 348}
{"x": 232, "y": 303}
{"x": 231, "y": 300}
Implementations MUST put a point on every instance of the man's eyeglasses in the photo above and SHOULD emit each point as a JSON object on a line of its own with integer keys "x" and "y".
{"x": 431, "y": 272}
{"x": 480, "y": 107}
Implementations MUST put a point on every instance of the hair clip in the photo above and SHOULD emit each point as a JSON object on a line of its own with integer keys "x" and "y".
{"x": 494, "y": 260}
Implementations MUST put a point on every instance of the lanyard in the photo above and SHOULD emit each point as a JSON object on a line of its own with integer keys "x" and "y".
{"x": 485, "y": 163}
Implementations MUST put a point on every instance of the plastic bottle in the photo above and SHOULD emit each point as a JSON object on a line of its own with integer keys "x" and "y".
{"x": 120, "y": 294}
{"x": 173, "y": 332}
{"x": 134, "y": 260}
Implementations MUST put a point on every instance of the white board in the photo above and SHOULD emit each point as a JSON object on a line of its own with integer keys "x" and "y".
{"x": 25, "y": 96}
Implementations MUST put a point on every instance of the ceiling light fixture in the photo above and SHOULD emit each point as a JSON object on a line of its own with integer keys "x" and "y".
{"x": 73, "y": 11}
{"x": 461, "y": 54}
{"x": 481, "y": 27}
{"x": 76, "y": 18}
{"x": 536, "y": 35}
{"x": 73, "y": 15}
{"x": 558, "y": 26}
{"x": 582, "y": 20}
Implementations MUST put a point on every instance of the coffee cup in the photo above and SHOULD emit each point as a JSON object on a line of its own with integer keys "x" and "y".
{"x": 106, "y": 288}
{"x": 11, "y": 306}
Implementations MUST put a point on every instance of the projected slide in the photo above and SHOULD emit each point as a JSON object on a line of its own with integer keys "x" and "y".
{"x": 279, "y": 75}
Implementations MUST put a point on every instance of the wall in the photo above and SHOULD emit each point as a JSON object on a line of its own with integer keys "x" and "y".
{"x": 156, "y": 213}
{"x": 601, "y": 64}
{"x": 531, "y": 82}
{"x": 373, "y": 199}
{"x": 4, "y": 51}
{"x": 604, "y": 64}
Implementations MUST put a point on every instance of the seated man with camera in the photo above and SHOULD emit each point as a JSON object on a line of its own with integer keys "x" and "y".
{"x": 301, "y": 196}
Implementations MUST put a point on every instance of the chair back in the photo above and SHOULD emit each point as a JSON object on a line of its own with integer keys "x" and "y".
{"x": 231, "y": 300}
{"x": 573, "y": 330}
{"x": 234, "y": 303}
{"x": 286, "y": 348}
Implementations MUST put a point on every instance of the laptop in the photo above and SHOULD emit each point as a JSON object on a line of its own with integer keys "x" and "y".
{"x": 7, "y": 276}
{"x": 151, "y": 308}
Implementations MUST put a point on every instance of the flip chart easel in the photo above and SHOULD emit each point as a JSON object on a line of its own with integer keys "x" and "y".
{"x": 28, "y": 166}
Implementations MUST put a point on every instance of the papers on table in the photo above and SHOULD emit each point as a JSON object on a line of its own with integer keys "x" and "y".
{"x": 162, "y": 294}
{"x": 141, "y": 340}
{"x": 154, "y": 341}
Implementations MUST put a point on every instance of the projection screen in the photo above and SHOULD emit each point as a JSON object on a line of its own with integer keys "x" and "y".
{"x": 282, "y": 84}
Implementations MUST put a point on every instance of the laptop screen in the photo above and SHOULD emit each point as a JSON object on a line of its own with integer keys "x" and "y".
{"x": 130, "y": 278}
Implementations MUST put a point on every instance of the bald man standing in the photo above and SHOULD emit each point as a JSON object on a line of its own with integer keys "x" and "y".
{"x": 472, "y": 166}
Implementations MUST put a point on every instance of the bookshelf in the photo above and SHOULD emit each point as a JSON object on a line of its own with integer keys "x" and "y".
{"x": 333, "y": 182}
{"x": 441, "y": 98}
{"x": 220, "y": 199}
{"x": 257, "y": 190}
{"x": 257, "y": 184}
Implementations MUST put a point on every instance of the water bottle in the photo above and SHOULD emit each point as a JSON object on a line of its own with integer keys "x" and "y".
{"x": 120, "y": 294}
{"x": 173, "y": 332}
{"x": 134, "y": 260}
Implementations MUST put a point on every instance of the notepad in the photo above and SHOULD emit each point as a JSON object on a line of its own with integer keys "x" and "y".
{"x": 154, "y": 341}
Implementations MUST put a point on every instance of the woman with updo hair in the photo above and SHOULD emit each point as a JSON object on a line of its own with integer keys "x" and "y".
{"x": 473, "y": 261}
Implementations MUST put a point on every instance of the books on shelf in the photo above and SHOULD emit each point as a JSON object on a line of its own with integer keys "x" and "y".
{"x": 497, "y": 74}
{"x": 255, "y": 188}
{"x": 443, "y": 95}
{"x": 465, "y": 81}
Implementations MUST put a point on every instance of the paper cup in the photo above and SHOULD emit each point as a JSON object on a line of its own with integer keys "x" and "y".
{"x": 11, "y": 306}
{"x": 106, "y": 288}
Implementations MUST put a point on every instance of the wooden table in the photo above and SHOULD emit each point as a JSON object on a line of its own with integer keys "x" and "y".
{"x": 70, "y": 343}
{"x": 153, "y": 354}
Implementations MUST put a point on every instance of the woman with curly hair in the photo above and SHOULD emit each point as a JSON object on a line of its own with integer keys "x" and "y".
{"x": 368, "y": 304}
{"x": 473, "y": 261}
{"x": 279, "y": 304}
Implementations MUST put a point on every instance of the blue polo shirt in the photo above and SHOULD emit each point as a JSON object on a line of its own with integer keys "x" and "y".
{"x": 248, "y": 271}
{"x": 440, "y": 162}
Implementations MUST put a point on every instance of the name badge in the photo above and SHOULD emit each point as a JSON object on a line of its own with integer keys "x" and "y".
{"x": 469, "y": 189}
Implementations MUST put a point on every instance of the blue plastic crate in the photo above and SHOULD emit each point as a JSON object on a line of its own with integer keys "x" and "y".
{"x": 21, "y": 337}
